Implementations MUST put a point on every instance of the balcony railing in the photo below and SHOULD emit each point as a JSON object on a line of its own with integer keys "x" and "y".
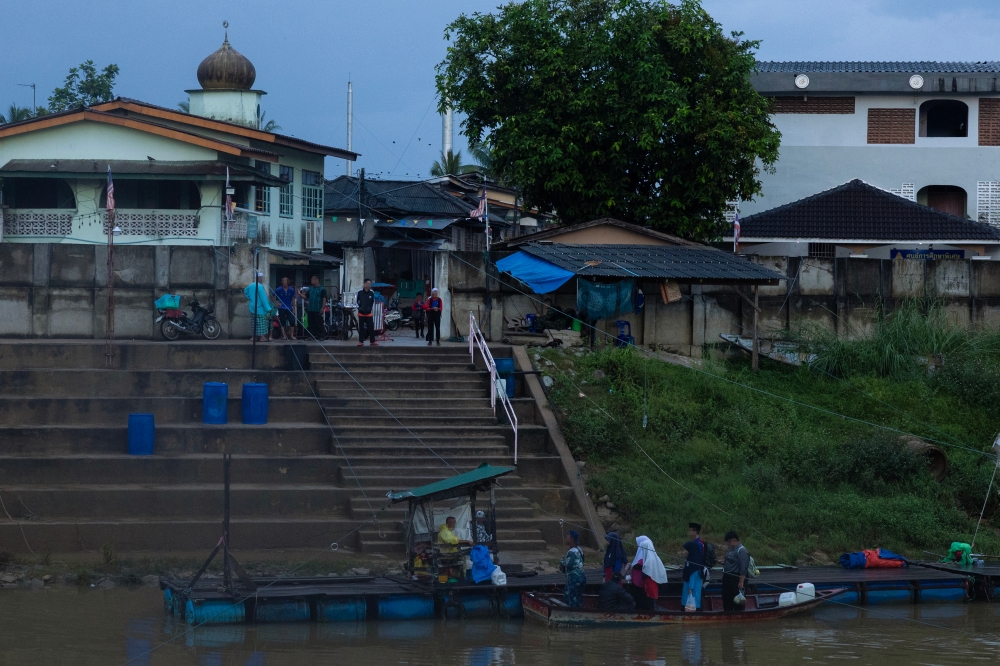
{"x": 37, "y": 221}
{"x": 135, "y": 222}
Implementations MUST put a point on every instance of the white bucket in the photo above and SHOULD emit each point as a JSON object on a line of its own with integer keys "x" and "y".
{"x": 805, "y": 592}
{"x": 786, "y": 599}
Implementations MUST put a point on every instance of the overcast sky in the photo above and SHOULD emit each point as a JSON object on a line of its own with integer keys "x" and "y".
{"x": 305, "y": 51}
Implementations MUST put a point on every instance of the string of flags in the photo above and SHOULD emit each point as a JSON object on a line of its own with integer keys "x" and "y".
{"x": 408, "y": 222}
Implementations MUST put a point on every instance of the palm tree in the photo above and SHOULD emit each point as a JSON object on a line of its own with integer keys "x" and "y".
{"x": 184, "y": 106}
{"x": 449, "y": 165}
{"x": 270, "y": 125}
{"x": 15, "y": 114}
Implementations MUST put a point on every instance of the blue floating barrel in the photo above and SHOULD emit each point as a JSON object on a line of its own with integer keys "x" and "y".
{"x": 341, "y": 610}
{"x": 285, "y": 610}
{"x": 406, "y": 607}
{"x": 214, "y": 612}
{"x": 505, "y": 370}
{"x": 255, "y": 404}
{"x": 215, "y": 403}
{"x": 141, "y": 431}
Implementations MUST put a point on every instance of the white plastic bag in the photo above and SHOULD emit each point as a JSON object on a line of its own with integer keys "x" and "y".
{"x": 499, "y": 577}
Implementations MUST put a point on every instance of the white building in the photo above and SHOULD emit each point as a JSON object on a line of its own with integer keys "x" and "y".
{"x": 928, "y": 131}
{"x": 169, "y": 170}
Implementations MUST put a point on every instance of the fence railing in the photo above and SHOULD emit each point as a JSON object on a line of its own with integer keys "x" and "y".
{"x": 476, "y": 339}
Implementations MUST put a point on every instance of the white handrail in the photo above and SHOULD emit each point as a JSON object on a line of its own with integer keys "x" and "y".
{"x": 476, "y": 338}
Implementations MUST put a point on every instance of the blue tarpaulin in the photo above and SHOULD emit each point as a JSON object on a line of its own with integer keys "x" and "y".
{"x": 543, "y": 277}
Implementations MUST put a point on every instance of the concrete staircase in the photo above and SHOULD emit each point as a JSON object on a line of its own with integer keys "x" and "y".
{"x": 358, "y": 423}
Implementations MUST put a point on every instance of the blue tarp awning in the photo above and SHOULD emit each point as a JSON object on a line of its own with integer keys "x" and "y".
{"x": 542, "y": 276}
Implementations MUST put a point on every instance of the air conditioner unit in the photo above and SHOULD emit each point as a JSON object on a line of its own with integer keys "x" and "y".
{"x": 313, "y": 239}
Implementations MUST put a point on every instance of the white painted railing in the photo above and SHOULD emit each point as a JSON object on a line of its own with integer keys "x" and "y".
{"x": 476, "y": 339}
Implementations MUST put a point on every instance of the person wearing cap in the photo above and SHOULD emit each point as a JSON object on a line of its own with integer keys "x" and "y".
{"x": 482, "y": 534}
{"x": 434, "y": 306}
{"x": 694, "y": 567}
{"x": 260, "y": 308}
{"x": 734, "y": 572}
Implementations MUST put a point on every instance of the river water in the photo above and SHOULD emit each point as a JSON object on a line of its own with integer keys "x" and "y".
{"x": 84, "y": 627}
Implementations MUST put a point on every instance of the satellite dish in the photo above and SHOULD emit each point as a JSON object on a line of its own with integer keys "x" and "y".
{"x": 916, "y": 82}
{"x": 801, "y": 81}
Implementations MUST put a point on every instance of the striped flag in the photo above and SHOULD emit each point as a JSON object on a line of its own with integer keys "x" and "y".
{"x": 480, "y": 211}
{"x": 111, "y": 192}
{"x": 736, "y": 232}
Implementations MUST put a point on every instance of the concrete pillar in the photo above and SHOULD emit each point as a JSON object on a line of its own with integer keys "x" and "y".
{"x": 354, "y": 272}
{"x": 161, "y": 267}
{"x": 441, "y": 281}
{"x": 41, "y": 257}
{"x": 697, "y": 321}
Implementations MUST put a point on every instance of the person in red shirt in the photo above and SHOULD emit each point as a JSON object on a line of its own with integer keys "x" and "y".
{"x": 418, "y": 316}
{"x": 434, "y": 308}
{"x": 648, "y": 573}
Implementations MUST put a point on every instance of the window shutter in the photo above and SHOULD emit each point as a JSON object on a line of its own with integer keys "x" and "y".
{"x": 795, "y": 104}
{"x": 989, "y": 121}
{"x": 892, "y": 125}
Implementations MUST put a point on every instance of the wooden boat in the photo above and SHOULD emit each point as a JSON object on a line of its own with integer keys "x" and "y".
{"x": 549, "y": 608}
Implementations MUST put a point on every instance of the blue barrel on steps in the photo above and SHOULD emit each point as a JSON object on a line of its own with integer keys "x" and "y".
{"x": 215, "y": 403}
{"x": 141, "y": 433}
{"x": 254, "y": 404}
{"x": 505, "y": 371}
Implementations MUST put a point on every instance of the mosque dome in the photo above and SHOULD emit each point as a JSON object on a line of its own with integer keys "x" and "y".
{"x": 226, "y": 69}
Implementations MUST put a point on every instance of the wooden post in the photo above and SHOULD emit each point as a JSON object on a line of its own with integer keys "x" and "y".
{"x": 756, "y": 339}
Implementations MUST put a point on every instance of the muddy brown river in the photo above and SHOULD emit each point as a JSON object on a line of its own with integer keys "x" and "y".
{"x": 85, "y": 627}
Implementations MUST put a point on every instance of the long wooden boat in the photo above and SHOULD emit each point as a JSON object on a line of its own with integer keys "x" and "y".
{"x": 549, "y": 608}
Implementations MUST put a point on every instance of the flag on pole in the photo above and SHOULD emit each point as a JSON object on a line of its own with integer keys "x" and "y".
{"x": 736, "y": 232}
{"x": 480, "y": 211}
{"x": 111, "y": 192}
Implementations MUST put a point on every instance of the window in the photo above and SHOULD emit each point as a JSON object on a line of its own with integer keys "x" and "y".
{"x": 312, "y": 195}
{"x": 943, "y": 198}
{"x": 154, "y": 194}
{"x": 262, "y": 193}
{"x": 37, "y": 193}
{"x": 803, "y": 104}
{"x": 989, "y": 121}
{"x": 286, "y": 194}
{"x": 944, "y": 117}
{"x": 891, "y": 125}
{"x": 822, "y": 250}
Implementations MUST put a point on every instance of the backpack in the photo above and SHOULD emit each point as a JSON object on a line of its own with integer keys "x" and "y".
{"x": 752, "y": 570}
{"x": 710, "y": 560}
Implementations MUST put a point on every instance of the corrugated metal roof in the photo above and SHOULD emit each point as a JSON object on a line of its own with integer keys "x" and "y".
{"x": 138, "y": 169}
{"x": 859, "y": 211}
{"x": 866, "y": 67}
{"x": 684, "y": 264}
{"x": 447, "y": 488}
{"x": 392, "y": 199}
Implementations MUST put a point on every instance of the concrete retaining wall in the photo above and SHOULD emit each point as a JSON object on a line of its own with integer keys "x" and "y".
{"x": 50, "y": 290}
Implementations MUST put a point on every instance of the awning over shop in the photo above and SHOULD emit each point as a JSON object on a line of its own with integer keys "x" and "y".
{"x": 300, "y": 258}
{"x": 541, "y": 276}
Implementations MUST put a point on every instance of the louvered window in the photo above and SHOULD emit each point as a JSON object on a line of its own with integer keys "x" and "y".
{"x": 988, "y": 201}
{"x": 892, "y": 125}
{"x": 813, "y": 104}
{"x": 989, "y": 121}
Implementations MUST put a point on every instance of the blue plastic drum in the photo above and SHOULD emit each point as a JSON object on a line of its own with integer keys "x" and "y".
{"x": 141, "y": 432}
{"x": 505, "y": 370}
{"x": 255, "y": 404}
{"x": 215, "y": 403}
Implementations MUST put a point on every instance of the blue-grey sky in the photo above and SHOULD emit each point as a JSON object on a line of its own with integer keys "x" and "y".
{"x": 305, "y": 51}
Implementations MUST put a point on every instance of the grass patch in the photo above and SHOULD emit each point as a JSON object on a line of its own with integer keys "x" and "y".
{"x": 791, "y": 479}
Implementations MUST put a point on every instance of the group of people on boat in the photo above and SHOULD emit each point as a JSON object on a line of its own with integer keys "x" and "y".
{"x": 635, "y": 586}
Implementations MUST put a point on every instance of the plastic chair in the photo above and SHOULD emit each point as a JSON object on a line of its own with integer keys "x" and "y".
{"x": 624, "y": 338}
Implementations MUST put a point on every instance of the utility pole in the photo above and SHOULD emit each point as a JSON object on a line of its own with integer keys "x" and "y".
{"x": 447, "y": 135}
{"x": 755, "y": 362}
{"x": 32, "y": 86}
{"x": 109, "y": 316}
{"x": 350, "y": 123}
{"x": 361, "y": 212}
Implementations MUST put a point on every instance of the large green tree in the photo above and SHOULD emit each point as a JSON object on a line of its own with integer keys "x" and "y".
{"x": 84, "y": 86}
{"x": 637, "y": 109}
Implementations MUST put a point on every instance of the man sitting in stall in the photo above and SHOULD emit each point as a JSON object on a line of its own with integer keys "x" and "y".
{"x": 448, "y": 542}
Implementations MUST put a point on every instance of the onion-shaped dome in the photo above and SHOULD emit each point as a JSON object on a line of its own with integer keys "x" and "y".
{"x": 226, "y": 69}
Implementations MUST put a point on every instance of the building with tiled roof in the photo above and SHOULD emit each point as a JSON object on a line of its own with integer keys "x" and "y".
{"x": 856, "y": 219}
{"x": 928, "y": 131}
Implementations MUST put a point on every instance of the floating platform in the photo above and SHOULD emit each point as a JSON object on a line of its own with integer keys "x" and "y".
{"x": 356, "y": 598}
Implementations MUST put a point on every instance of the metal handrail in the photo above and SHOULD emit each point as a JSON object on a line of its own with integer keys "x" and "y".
{"x": 476, "y": 339}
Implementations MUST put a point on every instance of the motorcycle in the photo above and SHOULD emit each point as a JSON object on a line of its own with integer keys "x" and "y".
{"x": 340, "y": 321}
{"x": 394, "y": 317}
{"x": 201, "y": 322}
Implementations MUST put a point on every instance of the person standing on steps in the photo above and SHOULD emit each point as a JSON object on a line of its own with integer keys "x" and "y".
{"x": 366, "y": 321}
{"x": 314, "y": 309}
{"x": 260, "y": 308}
{"x": 286, "y": 306}
{"x": 434, "y": 308}
{"x": 417, "y": 314}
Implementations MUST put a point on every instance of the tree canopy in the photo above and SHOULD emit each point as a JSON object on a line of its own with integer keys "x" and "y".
{"x": 84, "y": 86}
{"x": 635, "y": 109}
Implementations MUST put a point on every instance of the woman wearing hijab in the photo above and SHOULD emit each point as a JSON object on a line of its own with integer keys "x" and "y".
{"x": 572, "y": 566}
{"x": 648, "y": 574}
{"x": 260, "y": 308}
{"x": 614, "y": 556}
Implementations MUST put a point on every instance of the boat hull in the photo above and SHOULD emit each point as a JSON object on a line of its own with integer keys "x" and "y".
{"x": 549, "y": 609}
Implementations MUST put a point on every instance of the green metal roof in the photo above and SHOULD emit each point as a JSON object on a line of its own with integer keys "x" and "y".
{"x": 446, "y": 488}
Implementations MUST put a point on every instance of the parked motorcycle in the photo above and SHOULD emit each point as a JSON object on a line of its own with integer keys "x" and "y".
{"x": 394, "y": 317}
{"x": 201, "y": 322}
